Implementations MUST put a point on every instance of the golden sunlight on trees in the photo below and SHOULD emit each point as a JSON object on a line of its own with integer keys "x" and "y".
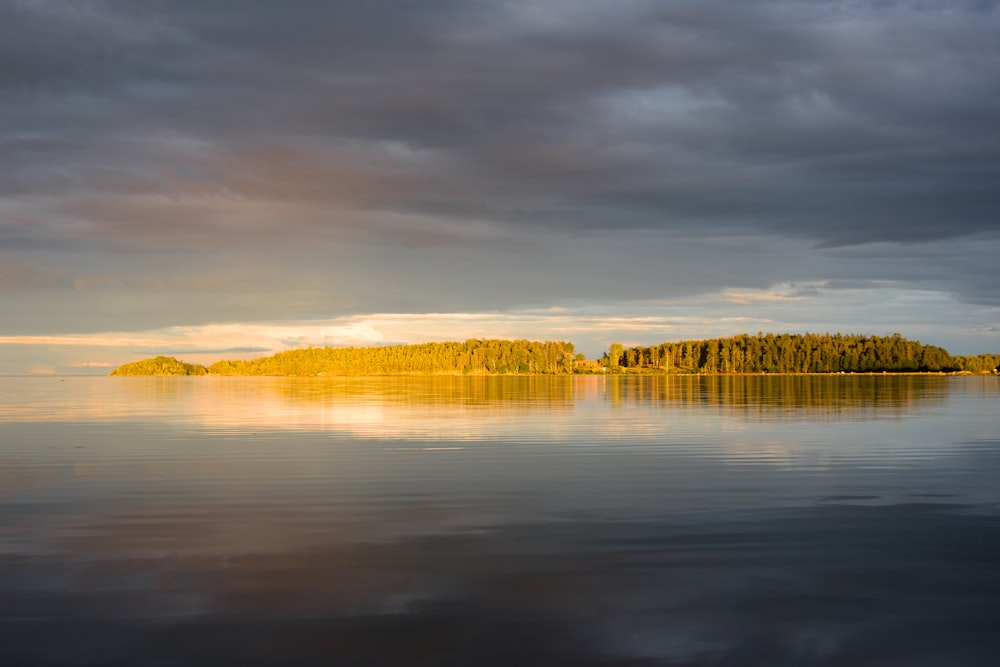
{"x": 160, "y": 366}
{"x": 473, "y": 357}
{"x": 615, "y": 355}
{"x": 800, "y": 353}
{"x": 770, "y": 353}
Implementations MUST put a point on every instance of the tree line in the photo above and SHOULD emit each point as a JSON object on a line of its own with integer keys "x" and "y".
{"x": 475, "y": 357}
{"x": 763, "y": 353}
{"x": 160, "y": 366}
{"x": 796, "y": 353}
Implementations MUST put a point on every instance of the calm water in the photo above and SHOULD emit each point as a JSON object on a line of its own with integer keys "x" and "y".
{"x": 500, "y": 521}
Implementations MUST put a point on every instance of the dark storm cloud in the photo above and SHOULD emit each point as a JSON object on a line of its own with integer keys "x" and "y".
{"x": 834, "y": 123}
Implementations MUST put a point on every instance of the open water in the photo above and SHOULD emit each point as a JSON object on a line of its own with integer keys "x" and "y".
{"x": 850, "y": 520}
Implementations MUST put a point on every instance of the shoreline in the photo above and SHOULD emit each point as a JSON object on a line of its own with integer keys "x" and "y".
{"x": 62, "y": 376}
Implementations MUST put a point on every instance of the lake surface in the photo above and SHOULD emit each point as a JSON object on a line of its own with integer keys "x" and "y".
{"x": 849, "y": 520}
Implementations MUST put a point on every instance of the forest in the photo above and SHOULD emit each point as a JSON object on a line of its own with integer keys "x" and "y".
{"x": 797, "y": 353}
{"x": 481, "y": 357}
{"x": 745, "y": 354}
{"x": 160, "y": 366}
{"x": 478, "y": 357}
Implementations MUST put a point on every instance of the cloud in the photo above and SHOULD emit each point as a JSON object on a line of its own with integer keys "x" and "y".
{"x": 757, "y": 117}
{"x": 745, "y": 297}
{"x": 851, "y": 307}
{"x": 199, "y": 162}
{"x": 15, "y": 273}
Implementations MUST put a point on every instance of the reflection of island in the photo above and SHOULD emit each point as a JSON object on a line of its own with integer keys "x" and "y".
{"x": 309, "y": 519}
{"x": 790, "y": 396}
{"x": 435, "y": 406}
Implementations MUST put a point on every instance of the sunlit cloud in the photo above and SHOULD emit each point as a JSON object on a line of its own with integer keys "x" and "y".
{"x": 814, "y": 307}
{"x": 746, "y": 297}
{"x": 106, "y": 280}
{"x": 361, "y": 330}
{"x": 874, "y": 309}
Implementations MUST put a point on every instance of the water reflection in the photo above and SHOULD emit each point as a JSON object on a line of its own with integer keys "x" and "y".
{"x": 835, "y": 586}
{"x": 811, "y": 397}
{"x": 317, "y": 403}
{"x": 498, "y": 521}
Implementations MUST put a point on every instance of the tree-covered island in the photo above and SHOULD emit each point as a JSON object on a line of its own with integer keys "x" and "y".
{"x": 763, "y": 353}
{"x": 160, "y": 366}
{"x": 473, "y": 357}
{"x": 798, "y": 353}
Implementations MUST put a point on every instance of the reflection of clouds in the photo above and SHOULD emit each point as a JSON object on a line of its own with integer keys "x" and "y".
{"x": 17, "y": 479}
{"x": 583, "y": 434}
{"x": 782, "y": 454}
{"x": 600, "y": 520}
{"x": 765, "y": 589}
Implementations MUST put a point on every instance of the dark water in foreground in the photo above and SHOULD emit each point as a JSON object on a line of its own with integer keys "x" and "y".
{"x": 500, "y": 521}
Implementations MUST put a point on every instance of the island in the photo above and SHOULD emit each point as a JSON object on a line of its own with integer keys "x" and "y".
{"x": 744, "y": 354}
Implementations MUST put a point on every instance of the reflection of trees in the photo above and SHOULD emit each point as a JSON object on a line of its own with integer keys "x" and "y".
{"x": 814, "y": 396}
{"x": 525, "y": 392}
{"x": 280, "y": 402}
{"x": 425, "y": 407}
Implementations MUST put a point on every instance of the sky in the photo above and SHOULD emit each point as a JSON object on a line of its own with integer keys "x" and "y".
{"x": 228, "y": 178}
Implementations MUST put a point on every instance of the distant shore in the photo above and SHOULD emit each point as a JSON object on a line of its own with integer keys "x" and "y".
{"x": 763, "y": 354}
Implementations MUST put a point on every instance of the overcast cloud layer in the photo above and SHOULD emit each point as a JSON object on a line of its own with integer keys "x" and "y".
{"x": 201, "y": 163}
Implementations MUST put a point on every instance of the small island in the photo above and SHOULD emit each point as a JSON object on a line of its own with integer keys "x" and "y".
{"x": 160, "y": 366}
{"x": 736, "y": 355}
